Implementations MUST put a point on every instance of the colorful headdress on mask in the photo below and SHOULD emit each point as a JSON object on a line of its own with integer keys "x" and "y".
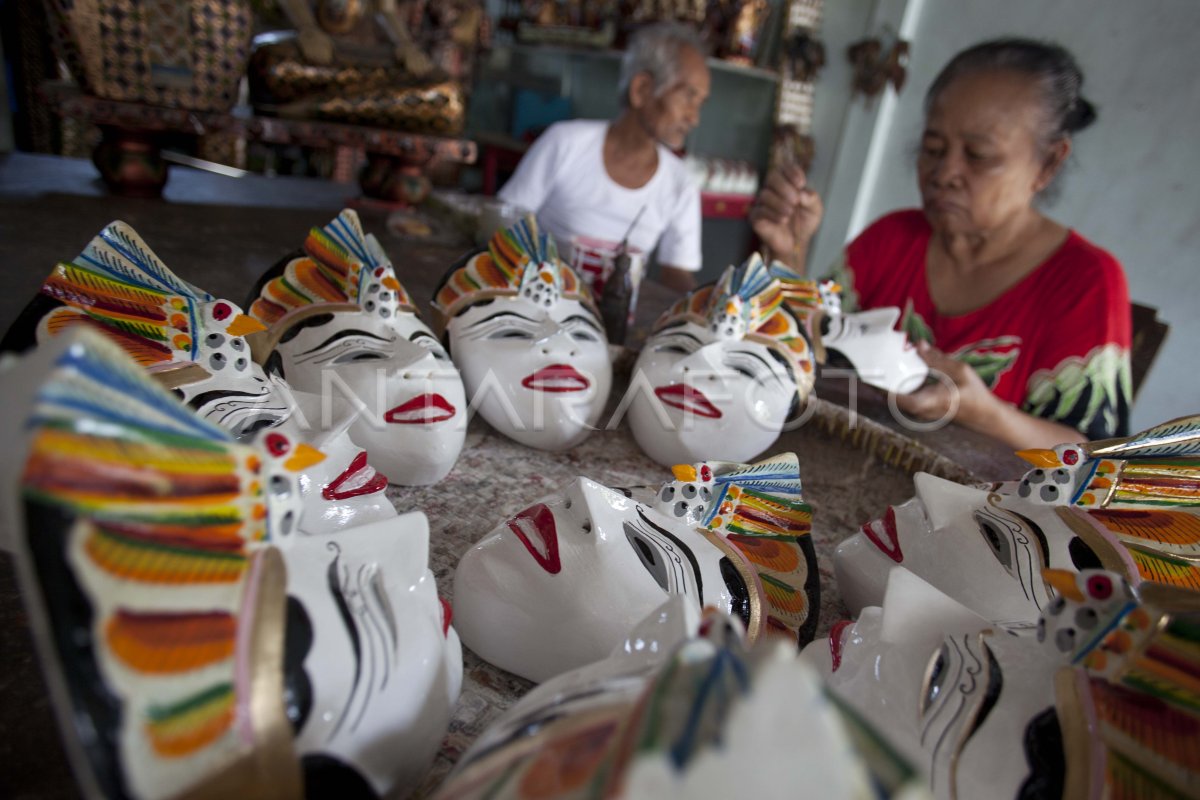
{"x": 748, "y": 303}
{"x": 1129, "y": 704}
{"x": 809, "y": 301}
{"x": 342, "y": 266}
{"x": 759, "y": 511}
{"x": 119, "y": 287}
{"x": 155, "y": 520}
{"x": 520, "y": 261}
{"x": 1135, "y": 501}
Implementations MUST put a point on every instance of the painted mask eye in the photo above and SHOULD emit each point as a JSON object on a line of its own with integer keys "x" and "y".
{"x": 222, "y": 312}
{"x": 1070, "y": 457}
{"x": 999, "y": 543}
{"x": 278, "y": 445}
{"x": 706, "y": 473}
{"x": 649, "y": 554}
{"x": 1100, "y": 587}
{"x": 935, "y": 680}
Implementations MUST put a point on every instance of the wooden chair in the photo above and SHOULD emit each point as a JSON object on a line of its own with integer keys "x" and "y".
{"x": 1149, "y": 333}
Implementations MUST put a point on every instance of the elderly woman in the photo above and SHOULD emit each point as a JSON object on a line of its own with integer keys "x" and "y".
{"x": 1029, "y": 321}
{"x": 596, "y": 178}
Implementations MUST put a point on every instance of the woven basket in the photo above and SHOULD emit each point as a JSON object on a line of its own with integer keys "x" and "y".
{"x": 176, "y": 53}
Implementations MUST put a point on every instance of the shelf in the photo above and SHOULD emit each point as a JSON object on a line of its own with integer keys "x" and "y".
{"x": 725, "y": 206}
{"x": 71, "y": 103}
{"x": 608, "y": 54}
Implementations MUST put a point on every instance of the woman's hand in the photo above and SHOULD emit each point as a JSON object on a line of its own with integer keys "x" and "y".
{"x": 961, "y": 395}
{"x": 958, "y": 393}
{"x": 786, "y": 214}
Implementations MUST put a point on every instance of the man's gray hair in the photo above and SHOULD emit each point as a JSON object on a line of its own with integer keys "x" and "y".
{"x": 656, "y": 50}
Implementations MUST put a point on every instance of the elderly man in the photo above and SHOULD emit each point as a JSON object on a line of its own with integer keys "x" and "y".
{"x": 606, "y": 180}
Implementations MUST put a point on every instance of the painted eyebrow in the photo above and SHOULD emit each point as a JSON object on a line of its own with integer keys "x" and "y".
{"x": 417, "y": 334}
{"x": 756, "y": 356}
{"x": 499, "y": 314}
{"x": 585, "y": 320}
{"x": 687, "y": 336}
{"x": 343, "y": 335}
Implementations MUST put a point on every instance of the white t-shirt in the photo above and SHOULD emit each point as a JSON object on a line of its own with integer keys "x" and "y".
{"x": 562, "y": 179}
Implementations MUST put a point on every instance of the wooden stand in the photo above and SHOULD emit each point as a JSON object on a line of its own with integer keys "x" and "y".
{"x": 131, "y": 164}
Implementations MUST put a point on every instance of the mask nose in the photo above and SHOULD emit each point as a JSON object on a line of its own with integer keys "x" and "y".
{"x": 556, "y": 341}
{"x": 413, "y": 360}
{"x": 707, "y": 362}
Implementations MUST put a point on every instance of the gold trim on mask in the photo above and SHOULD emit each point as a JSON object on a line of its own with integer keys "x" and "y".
{"x": 270, "y": 768}
{"x": 749, "y": 575}
{"x": 263, "y": 344}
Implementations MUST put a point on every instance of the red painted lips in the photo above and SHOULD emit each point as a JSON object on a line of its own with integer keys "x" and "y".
{"x": 358, "y": 479}
{"x": 883, "y": 534}
{"x": 689, "y": 399}
{"x": 424, "y": 409}
{"x": 837, "y": 640}
{"x": 535, "y": 528}
{"x": 556, "y": 378}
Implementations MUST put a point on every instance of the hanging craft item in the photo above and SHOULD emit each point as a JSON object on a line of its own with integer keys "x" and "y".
{"x": 876, "y": 64}
{"x": 803, "y": 58}
{"x": 743, "y": 38}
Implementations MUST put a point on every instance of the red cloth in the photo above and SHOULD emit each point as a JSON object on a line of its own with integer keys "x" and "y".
{"x": 1056, "y": 344}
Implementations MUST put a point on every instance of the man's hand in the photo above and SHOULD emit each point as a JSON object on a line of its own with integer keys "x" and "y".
{"x": 786, "y": 214}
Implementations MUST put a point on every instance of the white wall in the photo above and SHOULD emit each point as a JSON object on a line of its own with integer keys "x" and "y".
{"x": 1134, "y": 186}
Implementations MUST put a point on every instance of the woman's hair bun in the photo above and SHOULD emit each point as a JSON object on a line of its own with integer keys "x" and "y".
{"x": 1081, "y": 115}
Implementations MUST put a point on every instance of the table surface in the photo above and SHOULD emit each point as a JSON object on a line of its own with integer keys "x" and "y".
{"x": 221, "y": 233}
